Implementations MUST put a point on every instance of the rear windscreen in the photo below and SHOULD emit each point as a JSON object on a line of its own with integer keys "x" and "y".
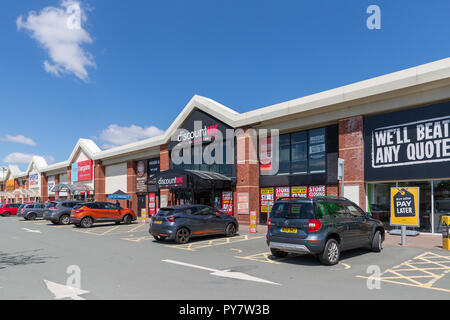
{"x": 292, "y": 210}
{"x": 52, "y": 204}
{"x": 77, "y": 206}
{"x": 165, "y": 212}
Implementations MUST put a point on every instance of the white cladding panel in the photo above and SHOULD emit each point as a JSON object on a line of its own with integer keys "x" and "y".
{"x": 116, "y": 178}
{"x": 351, "y": 192}
{"x": 80, "y": 157}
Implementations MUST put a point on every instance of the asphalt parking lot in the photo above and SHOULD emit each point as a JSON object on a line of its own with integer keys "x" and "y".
{"x": 38, "y": 259}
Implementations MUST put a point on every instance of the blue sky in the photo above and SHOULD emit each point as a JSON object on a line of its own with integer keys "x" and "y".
{"x": 146, "y": 59}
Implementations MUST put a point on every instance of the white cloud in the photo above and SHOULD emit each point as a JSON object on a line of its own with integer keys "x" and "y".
{"x": 57, "y": 30}
{"x": 24, "y": 158}
{"x": 19, "y": 139}
{"x": 116, "y": 135}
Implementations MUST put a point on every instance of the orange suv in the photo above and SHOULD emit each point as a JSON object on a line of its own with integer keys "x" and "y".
{"x": 85, "y": 214}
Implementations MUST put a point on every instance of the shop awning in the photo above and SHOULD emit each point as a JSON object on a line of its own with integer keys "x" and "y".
{"x": 119, "y": 194}
{"x": 71, "y": 188}
{"x": 190, "y": 179}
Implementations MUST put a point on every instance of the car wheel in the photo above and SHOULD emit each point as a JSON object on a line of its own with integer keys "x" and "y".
{"x": 5, "y": 214}
{"x": 182, "y": 236}
{"x": 230, "y": 230}
{"x": 64, "y": 219}
{"x": 159, "y": 238}
{"x": 127, "y": 219}
{"x": 278, "y": 253}
{"x": 377, "y": 244}
{"x": 32, "y": 216}
{"x": 87, "y": 222}
{"x": 331, "y": 253}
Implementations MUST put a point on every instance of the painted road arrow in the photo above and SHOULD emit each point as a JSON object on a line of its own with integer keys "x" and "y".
{"x": 61, "y": 291}
{"x": 29, "y": 230}
{"x": 224, "y": 273}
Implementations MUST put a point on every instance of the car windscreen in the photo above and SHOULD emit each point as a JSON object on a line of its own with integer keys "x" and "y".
{"x": 292, "y": 210}
{"x": 166, "y": 212}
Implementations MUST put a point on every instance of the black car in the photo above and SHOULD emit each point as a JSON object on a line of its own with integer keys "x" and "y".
{"x": 180, "y": 223}
{"x": 322, "y": 226}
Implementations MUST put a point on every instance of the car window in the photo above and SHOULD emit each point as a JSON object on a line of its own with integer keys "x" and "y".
{"x": 292, "y": 210}
{"x": 354, "y": 209}
{"x": 165, "y": 212}
{"x": 110, "y": 206}
{"x": 330, "y": 208}
{"x": 8, "y": 206}
{"x": 92, "y": 205}
{"x": 206, "y": 212}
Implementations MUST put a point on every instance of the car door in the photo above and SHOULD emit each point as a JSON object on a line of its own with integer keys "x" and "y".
{"x": 362, "y": 226}
{"x": 39, "y": 209}
{"x": 113, "y": 211}
{"x": 195, "y": 220}
{"x": 343, "y": 222}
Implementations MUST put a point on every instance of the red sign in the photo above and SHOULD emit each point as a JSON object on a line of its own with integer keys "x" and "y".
{"x": 85, "y": 170}
{"x": 282, "y": 192}
{"x": 151, "y": 203}
{"x": 227, "y": 201}
{"x": 317, "y": 191}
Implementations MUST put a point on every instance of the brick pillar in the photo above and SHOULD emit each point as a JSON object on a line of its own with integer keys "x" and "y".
{"x": 16, "y": 186}
{"x": 99, "y": 181}
{"x": 164, "y": 164}
{"x": 351, "y": 149}
{"x": 131, "y": 184}
{"x": 44, "y": 188}
{"x": 247, "y": 173}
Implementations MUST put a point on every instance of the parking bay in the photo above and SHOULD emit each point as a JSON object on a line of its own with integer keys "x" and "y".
{"x": 112, "y": 247}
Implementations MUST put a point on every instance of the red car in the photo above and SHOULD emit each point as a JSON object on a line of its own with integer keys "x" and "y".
{"x": 9, "y": 208}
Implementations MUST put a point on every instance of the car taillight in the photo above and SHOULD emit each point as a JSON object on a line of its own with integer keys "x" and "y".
{"x": 78, "y": 211}
{"x": 172, "y": 218}
{"x": 53, "y": 208}
{"x": 314, "y": 225}
{"x": 269, "y": 223}
{"x": 22, "y": 210}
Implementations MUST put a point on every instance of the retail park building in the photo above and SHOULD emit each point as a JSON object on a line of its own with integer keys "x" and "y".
{"x": 391, "y": 130}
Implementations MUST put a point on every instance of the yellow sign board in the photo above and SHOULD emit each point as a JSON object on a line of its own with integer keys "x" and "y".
{"x": 405, "y": 206}
{"x": 9, "y": 185}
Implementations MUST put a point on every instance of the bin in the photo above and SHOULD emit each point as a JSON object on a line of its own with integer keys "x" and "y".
{"x": 445, "y": 232}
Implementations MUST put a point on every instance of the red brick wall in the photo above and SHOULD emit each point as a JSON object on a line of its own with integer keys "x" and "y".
{"x": 99, "y": 181}
{"x": 351, "y": 149}
{"x": 44, "y": 188}
{"x": 247, "y": 175}
{"x": 131, "y": 185}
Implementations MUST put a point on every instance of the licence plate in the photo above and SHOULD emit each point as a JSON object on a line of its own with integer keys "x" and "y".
{"x": 289, "y": 230}
{"x": 158, "y": 222}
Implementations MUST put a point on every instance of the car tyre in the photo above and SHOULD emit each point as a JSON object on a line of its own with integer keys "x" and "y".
{"x": 377, "y": 244}
{"x": 230, "y": 230}
{"x": 64, "y": 219}
{"x": 6, "y": 214}
{"x": 159, "y": 238}
{"x": 278, "y": 253}
{"x": 87, "y": 222}
{"x": 182, "y": 236}
{"x": 331, "y": 253}
{"x": 127, "y": 219}
{"x": 31, "y": 216}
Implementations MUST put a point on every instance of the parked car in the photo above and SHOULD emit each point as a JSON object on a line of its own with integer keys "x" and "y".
{"x": 7, "y": 209}
{"x": 180, "y": 223}
{"x": 31, "y": 211}
{"x": 322, "y": 226}
{"x": 86, "y": 214}
{"x": 58, "y": 212}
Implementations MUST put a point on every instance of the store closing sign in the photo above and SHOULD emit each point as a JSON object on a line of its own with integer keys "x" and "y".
{"x": 405, "y": 206}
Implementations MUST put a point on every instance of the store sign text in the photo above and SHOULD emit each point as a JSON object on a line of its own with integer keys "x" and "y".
{"x": 411, "y": 143}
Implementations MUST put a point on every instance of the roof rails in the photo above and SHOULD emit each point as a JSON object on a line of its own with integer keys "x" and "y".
{"x": 318, "y": 197}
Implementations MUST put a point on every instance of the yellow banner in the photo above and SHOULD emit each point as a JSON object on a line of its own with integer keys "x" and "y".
{"x": 9, "y": 185}
{"x": 405, "y": 206}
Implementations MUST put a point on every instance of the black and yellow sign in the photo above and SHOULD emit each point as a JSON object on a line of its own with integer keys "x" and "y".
{"x": 405, "y": 206}
{"x": 9, "y": 185}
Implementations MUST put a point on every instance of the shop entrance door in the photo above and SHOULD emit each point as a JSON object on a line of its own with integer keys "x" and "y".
{"x": 141, "y": 204}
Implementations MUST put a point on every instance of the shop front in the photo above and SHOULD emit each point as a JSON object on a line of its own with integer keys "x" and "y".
{"x": 307, "y": 168}
{"x": 34, "y": 187}
{"x": 147, "y": 194}
{"x": 194, "y": 187}
{"x": 82, "y": 175}
{"x": 409, "y": 148}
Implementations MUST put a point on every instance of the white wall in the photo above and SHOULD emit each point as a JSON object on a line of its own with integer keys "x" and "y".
{"x": 116, "y": 178}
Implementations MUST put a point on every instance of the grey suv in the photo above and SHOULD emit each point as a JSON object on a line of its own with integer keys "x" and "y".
{"x": 322, "y": 226}
{"x": 31, "y": 211}
{"x": 58, "y": 212}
